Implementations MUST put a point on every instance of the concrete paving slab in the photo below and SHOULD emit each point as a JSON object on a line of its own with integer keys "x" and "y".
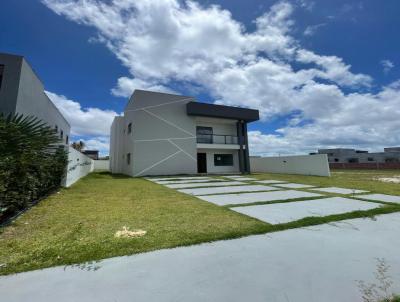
{"x": 256, "y": 197}
{"x": 294, "y": 186}
{"x": 339, "y": 190}
{"x": 381, "y": 197}
{"x": 302, "y": 265}
{"x": 270, "y": 181}
{"x": 243, "y": 178}
{"x": 183, "y": 181}
{"x": 233, "y": 176}
{"x": 291, "y": 211}
{"x": 176, "y": 178}
{"x": 207, "y": 184}
{"x": 230, "y": 189}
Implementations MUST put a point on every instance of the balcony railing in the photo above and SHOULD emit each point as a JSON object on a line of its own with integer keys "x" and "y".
{"x": 217, "y": 139}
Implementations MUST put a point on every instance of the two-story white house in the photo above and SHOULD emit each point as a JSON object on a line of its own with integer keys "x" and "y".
{"x": 167, "y": 134}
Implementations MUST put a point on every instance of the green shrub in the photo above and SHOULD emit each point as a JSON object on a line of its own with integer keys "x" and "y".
{"x": 32, "y": 162}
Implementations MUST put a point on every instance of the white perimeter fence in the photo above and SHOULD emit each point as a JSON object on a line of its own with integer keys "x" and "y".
{"x": 298, "y": 164}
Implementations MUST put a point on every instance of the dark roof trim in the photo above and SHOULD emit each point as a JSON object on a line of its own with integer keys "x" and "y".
{"x": 90, "y": 151}
{"x": 220, "y": 111}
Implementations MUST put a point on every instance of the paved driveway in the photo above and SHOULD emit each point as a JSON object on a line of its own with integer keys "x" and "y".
{"x": 318, "y": 264}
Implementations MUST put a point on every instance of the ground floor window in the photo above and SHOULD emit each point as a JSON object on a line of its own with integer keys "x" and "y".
{"x": 128, "y": 158}
{"x": 223, "y": 159}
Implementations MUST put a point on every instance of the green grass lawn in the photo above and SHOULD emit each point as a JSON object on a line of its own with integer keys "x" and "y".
{"x": 353, "y": 179}
{"x": 78, "y": 224}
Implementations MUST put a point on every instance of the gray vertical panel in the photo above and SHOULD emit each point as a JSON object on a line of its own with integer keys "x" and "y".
{"x": 240, "y": 141}
{"x": 10, "y": 83}
{"x": 246, "y": 151}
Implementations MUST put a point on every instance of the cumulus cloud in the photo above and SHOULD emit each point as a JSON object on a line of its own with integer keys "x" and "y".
{"x": 167, "y": 41}
{"x": 101, "y": 143}
{"x": 126, "y": 86}
{"x": 84, "y": 121}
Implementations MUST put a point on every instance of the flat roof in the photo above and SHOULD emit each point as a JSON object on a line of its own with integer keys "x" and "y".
{"x": 222, "y": 111}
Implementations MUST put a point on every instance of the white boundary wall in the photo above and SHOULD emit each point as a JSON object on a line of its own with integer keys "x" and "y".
{"x": 101, "y": 165}
{"x": 79, "y": 165}
{"x": 298, "y": 164}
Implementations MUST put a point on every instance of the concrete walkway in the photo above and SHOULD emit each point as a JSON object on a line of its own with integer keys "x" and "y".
{"x": 318, "y": 264}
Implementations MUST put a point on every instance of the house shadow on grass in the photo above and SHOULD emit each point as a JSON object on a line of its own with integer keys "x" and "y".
{"x": 107, "y": 174}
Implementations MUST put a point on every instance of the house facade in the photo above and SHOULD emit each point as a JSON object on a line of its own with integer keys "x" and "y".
{"x": 167, "y": 134}
{"x": 21, "y": 91}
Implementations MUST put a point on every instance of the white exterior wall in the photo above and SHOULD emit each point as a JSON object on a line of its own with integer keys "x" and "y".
{"x": 101, "y": 165}
{"x": 302, "y": 164}
{"x": 211, "y": 168}
{"x": 79, "y": 165}
{"x": 117, "y": 145}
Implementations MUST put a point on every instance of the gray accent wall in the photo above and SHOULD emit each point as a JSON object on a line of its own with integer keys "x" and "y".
{"x": 22, "y": 92}
{"x": 163, "y": 137}
{"x": 10, "y": 82}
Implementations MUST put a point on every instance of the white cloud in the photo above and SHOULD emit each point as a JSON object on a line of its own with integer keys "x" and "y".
{"x": 307, "y": 5}
{"x": 312, "y": 29}
{"x": 101, "y": 143}
{"x": 164, "y": 41}
{"x": 387, "y": 65}
{"x": 125, "y": 86}
{"x": 84, "y": 121}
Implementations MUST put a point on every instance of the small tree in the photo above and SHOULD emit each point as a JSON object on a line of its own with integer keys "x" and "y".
{"x": 32, "y": 162}
{"x": 78, "y": 145}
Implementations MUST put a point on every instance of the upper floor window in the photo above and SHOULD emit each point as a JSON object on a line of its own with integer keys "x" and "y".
{"x": 61, "y": 134}
{"x": 55, "y": 128}
{"x": 129, "y": 128}
{"x": 66, "y": 139}
{"x": 1, "y": 74}
{"x": 204, "y": 135}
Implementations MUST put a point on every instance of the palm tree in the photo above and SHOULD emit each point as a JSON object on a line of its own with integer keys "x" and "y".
{"x": 32, "y": 162}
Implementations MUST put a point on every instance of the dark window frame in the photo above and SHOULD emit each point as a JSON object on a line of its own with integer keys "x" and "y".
{"x": 129, "y": 128}
{"x": 204, "y": 134}
{"x": 225, "y": 160}
{"x": 128, "y": 158}
{"x": 353, "y": 160}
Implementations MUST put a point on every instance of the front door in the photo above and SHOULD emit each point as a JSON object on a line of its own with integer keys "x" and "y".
{"x": 201, "y": 163}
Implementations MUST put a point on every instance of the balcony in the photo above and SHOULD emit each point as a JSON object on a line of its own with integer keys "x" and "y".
{"x": 217, "y": 139}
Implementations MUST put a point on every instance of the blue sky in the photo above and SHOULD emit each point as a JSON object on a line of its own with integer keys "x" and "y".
{"x": 322, "y": 73}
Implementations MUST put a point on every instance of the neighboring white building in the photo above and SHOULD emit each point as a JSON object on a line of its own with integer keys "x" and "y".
{"x": 167, "y": 134}
{"x": 344, "y": 155}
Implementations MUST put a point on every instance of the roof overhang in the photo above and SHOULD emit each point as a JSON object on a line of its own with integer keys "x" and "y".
{"x": 221, "y": 111}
